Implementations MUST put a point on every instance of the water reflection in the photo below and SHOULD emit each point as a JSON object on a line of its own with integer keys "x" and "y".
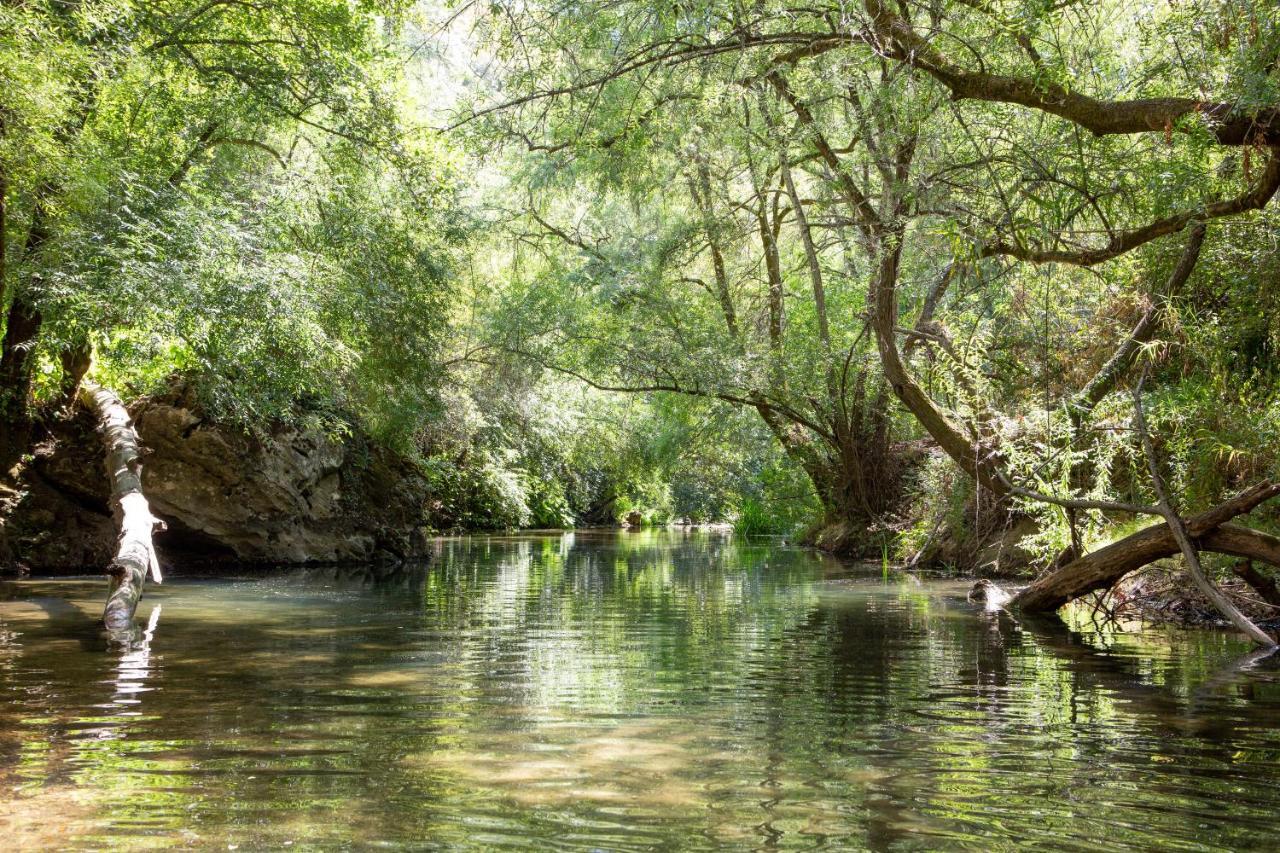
{"x": 620, "y": 691}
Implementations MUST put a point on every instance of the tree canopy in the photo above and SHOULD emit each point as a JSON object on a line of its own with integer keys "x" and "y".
{"x": 910, "y": 258}
{"x": 996, "y": 211}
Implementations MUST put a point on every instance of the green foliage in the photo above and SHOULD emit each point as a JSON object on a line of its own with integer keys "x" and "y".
{"x": 753, "y": 519}
{"x": 478, "y": 495}
{"x": 277, "y": 294}
{"x": 638, "y": 288}
{"x": 227, "y": 190}
{"x": 662, "y": 246}
{"x": 548, "y": 503}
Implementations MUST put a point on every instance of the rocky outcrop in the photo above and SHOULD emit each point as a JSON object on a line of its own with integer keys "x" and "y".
{"x": 56, "y": 515}
{"x": 291, "y": 496}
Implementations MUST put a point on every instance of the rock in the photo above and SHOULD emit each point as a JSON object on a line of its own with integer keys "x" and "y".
{"x": 988, "y": 593}
{"x": 291, "y": 496}
{"x": 56, "y": 516}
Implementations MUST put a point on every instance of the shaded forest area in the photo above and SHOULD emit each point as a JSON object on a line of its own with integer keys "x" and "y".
{"x": 981, "y": 287}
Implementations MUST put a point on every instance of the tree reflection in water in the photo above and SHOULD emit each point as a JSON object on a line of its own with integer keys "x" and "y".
{"x": 620, "y": 690}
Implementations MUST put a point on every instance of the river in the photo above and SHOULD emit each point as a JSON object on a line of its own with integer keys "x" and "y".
{"x": 616, "y": 691}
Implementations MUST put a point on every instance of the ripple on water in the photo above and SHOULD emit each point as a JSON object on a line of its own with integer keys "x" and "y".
{"x": 630, "y": 691}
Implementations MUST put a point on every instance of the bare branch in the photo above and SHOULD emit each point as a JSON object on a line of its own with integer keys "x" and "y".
{"x": 1179, "y": 529}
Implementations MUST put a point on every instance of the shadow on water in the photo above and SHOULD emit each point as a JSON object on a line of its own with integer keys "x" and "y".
{"x": 619, "y": 691}
{"x": 61, "y": 617}
{"x": 1128, "y": 677}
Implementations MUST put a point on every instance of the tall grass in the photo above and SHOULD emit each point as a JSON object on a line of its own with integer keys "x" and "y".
{"x": 754, "y": 520}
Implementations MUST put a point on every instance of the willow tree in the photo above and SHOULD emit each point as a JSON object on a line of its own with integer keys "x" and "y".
{"x": 961, "y": 179}
{"x": 223, "y": 190}
{"x": 112, "y": 109}
{"x": 710, "y": 262}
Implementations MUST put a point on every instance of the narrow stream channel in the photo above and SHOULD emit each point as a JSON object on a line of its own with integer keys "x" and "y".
{"x": 655, "y": 690}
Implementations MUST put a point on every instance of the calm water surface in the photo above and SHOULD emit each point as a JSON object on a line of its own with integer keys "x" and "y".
{"x": 630, "y": 691}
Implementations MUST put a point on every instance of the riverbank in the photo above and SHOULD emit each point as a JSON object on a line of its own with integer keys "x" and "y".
{"x": 273, "y": 498}
{"x": 309, "y": 495}
{"x": 286, "y": 495}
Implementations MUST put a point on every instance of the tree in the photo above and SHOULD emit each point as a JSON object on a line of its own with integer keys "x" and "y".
{"x": 722, "y": 287}
{"x": 146, "y": 110}
{"x": 951, "y": 175}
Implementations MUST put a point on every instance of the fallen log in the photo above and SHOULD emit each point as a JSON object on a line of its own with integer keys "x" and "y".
{"x": 1263, "y": 585}
{"x": 1237, "y": 541}
{"x": 136, "y": 553}
{"x": 1102, "y": 568}
{"x": 1229, "y": 539}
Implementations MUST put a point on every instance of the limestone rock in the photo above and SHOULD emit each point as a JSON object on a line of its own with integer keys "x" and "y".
{"x": 291, "y": 496}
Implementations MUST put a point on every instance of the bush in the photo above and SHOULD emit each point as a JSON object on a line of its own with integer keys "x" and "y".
{"x": 548, "y": 502}
{"x": 481, "y": 495}
{"x": 754, "y": 520}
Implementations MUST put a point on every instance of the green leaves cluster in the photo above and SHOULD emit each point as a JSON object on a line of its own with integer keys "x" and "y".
{"x": 230, "y": 190}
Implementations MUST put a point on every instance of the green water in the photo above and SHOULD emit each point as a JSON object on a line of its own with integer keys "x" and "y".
{"x": 629, "y": 691}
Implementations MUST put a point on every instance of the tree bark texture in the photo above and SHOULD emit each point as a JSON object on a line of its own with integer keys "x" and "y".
{"x": 136, "y": 555}
{"x": 1101, "y": 569}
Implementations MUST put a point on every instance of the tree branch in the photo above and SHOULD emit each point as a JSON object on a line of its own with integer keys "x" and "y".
{"x": 1228, "y": 125}
{"x": 1102, "y": 568}
{"x": 1255, "y": 198}
{"x": 1179, "y": 529}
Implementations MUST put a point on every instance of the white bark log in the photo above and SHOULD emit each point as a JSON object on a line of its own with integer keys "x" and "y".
{"x": 136, "y": 554}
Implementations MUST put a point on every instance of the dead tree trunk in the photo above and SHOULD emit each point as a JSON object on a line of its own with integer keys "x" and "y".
{"x": 136, "y": 554}
{"x": 1102, "y": 568}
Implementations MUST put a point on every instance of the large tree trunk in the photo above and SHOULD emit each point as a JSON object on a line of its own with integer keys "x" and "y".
{"x": 136, "y": 555}
{"x": 17, "y": 357}
{"x": 846, "y": 522}
{"x": 860, "y": 484}
{"x": 1102, "y": 568}
{"x": 974, "y": 455}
